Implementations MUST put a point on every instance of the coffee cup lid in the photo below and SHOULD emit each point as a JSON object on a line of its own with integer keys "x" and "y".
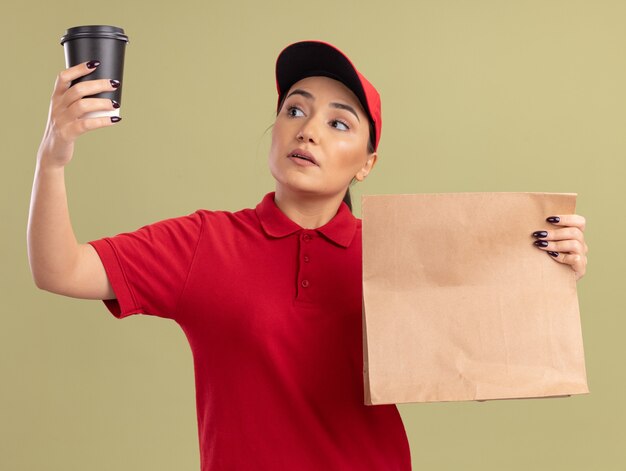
{"x": 94, "y": 31}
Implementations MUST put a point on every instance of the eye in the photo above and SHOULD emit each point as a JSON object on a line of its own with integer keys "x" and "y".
{"x": 290, "y": 109}
{"x": 340, "y": 123}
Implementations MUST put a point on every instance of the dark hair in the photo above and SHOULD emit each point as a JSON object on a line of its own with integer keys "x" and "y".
{"x": 370, "y": 149}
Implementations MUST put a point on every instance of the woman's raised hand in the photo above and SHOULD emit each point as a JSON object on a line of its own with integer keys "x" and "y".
{"x": 67, "y": 106}
{"x": 566, "y": 244}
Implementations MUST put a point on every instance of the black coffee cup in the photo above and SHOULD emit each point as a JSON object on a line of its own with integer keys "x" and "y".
{"x": 106, "y": 44}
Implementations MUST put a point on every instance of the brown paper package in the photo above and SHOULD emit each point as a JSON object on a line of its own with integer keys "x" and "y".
{"x": 458, "y": 304}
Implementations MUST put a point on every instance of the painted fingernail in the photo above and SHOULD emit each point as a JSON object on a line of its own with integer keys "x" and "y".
{"x": 115, "y": 83}
{"x": 541, "y": 243}
{"x": 93, "y": 64}
{"x": 115, "y": 104}
{"x": 554, "y": 254}
{"x": 116, "y": 119}
{"x": 540, "y": 234}
{"x": 553, "y": 219}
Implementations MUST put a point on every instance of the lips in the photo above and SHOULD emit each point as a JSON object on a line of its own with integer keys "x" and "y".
{"x": 302, "y": 154}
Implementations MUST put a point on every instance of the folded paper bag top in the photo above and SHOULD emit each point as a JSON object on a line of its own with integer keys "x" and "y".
{"x": 459, "y": 305}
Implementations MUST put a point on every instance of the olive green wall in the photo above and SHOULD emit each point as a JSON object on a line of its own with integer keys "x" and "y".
{"x": 477, "y": 96}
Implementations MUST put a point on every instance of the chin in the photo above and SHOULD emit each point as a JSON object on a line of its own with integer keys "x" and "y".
{"x": 292, "y": 178}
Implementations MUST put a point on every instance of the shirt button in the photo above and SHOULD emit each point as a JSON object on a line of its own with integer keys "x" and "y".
{"x": 306, "y": 258}
{"x": 305, "y": 283}
{"x": 306, "y": 237}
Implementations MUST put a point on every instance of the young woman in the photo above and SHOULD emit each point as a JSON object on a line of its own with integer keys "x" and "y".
{"x": 269, "y": 298}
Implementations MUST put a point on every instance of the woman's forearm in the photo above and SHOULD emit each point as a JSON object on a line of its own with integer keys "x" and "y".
{"x": 52, "y": 246}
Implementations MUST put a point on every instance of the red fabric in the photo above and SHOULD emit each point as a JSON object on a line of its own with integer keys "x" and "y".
{"x": 272, "y": 313}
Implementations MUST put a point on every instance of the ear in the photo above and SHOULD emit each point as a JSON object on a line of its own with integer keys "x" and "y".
{"x": 367, "y": 168}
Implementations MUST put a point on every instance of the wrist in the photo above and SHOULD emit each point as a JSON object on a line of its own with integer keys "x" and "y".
{"x": 47, "y": 166}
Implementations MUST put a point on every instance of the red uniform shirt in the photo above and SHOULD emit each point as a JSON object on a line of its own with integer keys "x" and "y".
{"x": 272, "y": 313}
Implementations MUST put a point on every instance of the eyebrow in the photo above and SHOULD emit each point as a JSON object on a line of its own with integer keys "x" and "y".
{"x": 341, "y": 106}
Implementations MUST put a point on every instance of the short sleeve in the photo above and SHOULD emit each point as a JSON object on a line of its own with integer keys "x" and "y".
{"x": 148, "y": 268}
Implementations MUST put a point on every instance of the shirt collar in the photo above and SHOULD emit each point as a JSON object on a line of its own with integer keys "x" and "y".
{"x": 340, "y": 229}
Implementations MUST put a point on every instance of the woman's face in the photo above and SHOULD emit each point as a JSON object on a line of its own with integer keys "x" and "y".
{"x": 323, "y": 118}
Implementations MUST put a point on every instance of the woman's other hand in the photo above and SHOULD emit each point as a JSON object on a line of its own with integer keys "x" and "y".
{"x": 67, "y": 107}
{"x": 565, "y": 244}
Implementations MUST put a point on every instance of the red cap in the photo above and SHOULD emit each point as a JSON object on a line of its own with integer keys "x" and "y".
{"x": 311, "y": 58}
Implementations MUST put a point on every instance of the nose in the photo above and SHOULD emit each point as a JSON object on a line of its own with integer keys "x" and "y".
{"x": 308, "y": 132}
